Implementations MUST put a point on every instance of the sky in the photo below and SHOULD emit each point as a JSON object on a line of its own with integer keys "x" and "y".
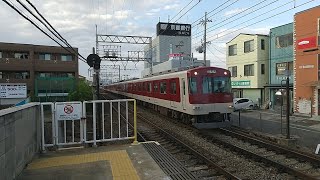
{"x": 76, "y": 21}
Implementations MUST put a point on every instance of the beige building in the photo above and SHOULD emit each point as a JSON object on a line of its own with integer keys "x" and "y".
{"x": 247, "y": 60}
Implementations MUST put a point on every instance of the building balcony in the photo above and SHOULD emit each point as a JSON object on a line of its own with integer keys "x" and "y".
{"x": 56, "y": 65}
{"x": 13, "y": 64}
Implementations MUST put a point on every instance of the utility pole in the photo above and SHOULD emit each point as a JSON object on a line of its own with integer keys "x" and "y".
{"x": 205, "y": 37}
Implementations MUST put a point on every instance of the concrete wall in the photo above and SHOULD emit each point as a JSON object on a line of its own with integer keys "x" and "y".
{"x": 20, "y": 138}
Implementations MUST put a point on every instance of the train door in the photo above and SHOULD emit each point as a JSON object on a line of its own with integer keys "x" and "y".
{"x": 183, "y": 93}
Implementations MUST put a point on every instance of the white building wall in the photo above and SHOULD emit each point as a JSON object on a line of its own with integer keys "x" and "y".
{"x": 161, "y": 47}
{"x": 256, "y": 57}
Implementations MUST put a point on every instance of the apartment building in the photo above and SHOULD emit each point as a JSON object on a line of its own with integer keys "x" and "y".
{"x": 281, "y": 64}
{"x": 50, "y": 72}
{"x": 247, "y": 60}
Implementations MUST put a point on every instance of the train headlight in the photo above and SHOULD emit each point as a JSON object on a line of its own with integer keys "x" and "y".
{"x": 195, "y": 73}
{"x": 196, "y": 107}
{"x": 225, "y": 73}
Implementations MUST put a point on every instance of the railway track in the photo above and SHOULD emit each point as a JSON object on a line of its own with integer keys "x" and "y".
{"x": 236, "y": 160}
{"x": 199, "y": 165}
{"x": 299, "y": 164}
{"x": 192, "y": 157}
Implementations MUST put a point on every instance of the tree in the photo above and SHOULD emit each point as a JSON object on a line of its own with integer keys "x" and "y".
{"x": 83, "y": 92}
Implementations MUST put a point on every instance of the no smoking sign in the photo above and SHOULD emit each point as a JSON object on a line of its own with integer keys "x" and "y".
{"x": 69, "y": 111}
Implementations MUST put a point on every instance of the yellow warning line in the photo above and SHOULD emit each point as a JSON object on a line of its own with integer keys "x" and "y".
{"x": 121, "y": 165}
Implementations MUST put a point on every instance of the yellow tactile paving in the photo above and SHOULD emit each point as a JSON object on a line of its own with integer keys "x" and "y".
{"x": 121, "y": 165}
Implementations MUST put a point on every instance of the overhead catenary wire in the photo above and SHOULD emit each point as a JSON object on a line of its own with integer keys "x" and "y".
{"x": 155, "y": 45}
{"x": 33, "y": 23}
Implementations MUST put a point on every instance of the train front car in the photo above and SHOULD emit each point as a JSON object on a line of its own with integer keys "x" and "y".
{"x": 210, "y": 97}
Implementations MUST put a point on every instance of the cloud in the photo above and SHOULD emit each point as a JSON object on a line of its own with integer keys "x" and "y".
{"x": 234, "y": 11}
{"x": 170, "y": 7}
{"x": 155, "y": 10}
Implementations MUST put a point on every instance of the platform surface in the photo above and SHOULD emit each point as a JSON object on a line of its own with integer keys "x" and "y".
{"x": 106, "y": 162}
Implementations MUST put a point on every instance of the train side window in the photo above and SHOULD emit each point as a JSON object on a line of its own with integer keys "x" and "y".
{"x": 149, "y": 87}
{"x": 163, "y": 87}
{"x": 155, "y": 87}
{"x": 173, "y": 88}
{"x": 193, "y": 85}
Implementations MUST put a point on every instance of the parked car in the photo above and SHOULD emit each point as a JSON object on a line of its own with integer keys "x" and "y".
{"x": 242, "y": 103}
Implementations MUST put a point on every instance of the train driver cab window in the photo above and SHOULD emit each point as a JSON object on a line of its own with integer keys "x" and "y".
{"x": 221, "y": 85}
{"x": 173, "y": 88}
{"x": 207, "y": 85}
{"x": 163, "y": 87}
{"x": 193, "y": 85}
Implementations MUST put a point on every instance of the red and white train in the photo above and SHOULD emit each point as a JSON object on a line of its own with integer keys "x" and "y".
{"x": 201, "y": 96}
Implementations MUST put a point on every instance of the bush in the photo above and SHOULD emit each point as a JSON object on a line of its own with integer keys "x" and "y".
{"x": 83, "y": 92}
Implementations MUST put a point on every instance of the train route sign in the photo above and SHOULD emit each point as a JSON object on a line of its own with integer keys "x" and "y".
{"x": 68, "y": 111}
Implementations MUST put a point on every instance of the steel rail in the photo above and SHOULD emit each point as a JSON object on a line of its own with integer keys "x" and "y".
{"x": 195, "y": 152}
{"x": 262, "y": 158}
{"x": 270, "y": 145}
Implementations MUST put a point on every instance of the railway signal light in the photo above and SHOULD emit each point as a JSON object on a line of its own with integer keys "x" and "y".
{"x": 93, "y": 60}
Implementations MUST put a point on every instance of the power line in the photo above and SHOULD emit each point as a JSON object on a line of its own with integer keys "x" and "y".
{"x": 33, "y": 23}
{"x": 255, "y": 16}
{"x": 217, "y": 49}
{"x": 182, "y": 9}
{"x": 55, "y": 33}
{"x": 217, "y": 57}
{"x": 188, "y": 11}
{"x": 153, "y": 46}
{"x": 259, "y": 20}
{"x": 211, "y": 11}
{"x": 224, "y": 8}
{"x": 259, "y": 3}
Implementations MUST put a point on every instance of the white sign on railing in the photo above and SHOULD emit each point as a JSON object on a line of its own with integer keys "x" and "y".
{"x": 12, "y": 90}
{"x": 68, "y": 111}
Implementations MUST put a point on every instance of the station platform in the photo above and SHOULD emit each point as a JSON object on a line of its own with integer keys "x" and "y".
{"x": 116, "y": 162}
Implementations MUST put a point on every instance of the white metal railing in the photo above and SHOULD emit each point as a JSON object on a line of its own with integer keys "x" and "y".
{"x": 61, "y": 131}
{"x": 114, "y": 105}
{"x": 64, "y": 130}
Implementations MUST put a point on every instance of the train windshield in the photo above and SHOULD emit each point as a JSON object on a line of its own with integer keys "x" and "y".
{"x": 216, "y": 85}
{"x": 193, "y": 85}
